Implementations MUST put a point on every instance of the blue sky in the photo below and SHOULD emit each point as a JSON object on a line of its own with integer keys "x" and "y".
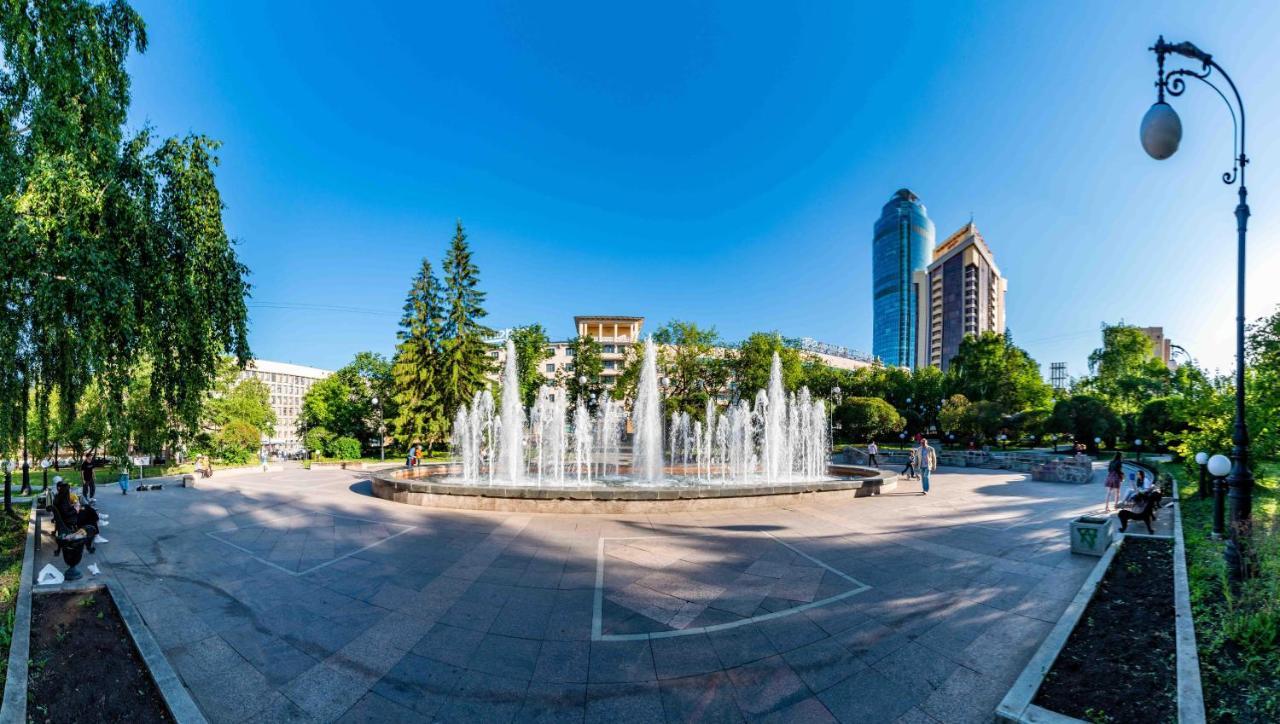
{"x": 717, "y": 162}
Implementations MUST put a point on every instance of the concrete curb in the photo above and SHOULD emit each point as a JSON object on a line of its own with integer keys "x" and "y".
{"x": 14, "y": 709}
{"x": 1016, "y": 705}
{"x": 1190, "y": 693}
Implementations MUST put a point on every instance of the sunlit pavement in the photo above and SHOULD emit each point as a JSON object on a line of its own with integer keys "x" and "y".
{"x": 297, "y": 596}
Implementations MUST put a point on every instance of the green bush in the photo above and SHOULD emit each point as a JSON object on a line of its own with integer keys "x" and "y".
{"x": 344, "y": 448}
{"x": 236, "y": 442}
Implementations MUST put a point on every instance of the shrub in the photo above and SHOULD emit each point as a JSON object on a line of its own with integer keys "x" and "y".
{"x": 345, "y": 448}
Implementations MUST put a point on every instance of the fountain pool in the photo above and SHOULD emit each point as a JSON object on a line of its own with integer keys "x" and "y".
{"x": 552, "y": 457}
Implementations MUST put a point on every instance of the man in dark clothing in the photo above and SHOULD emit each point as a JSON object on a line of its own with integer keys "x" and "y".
{"x": 86, "y": 469}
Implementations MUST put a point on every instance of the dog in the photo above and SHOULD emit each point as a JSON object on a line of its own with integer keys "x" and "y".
{"x": 1144, "y": 509}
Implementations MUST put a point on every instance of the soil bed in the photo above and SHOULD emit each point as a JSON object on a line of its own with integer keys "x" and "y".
{"x": 84, "y": 666}
{"x": 1120, "y": 663}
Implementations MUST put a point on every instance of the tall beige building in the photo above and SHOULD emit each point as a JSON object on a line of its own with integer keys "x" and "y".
{"x": 960, "y": 293}
{"x": 1161, "y": 346}
{"x": 287, "y": 384}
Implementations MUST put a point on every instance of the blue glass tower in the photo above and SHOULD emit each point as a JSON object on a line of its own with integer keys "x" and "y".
{"x": 902, "y": 246}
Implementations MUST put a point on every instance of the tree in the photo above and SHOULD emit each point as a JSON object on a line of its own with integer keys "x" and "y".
{"x": 691, "y": 363}
{"x": 1124, "y": 372}
{"x": 989, "y": 368}
{"x": 421, "y": 414}
{"x": 582, "y": 381}
{"x": 865, "y": 418}
{"x": 113, "y": 249}
{"x": 1263, "y": 388}
{"x": 342, "y": 403}
{"x": 751, "y": 365}
{"x": 465, "y": 359}
{"x": 1085, "y": 418}
{"x": 533, "y": 346}
{"x": 241, "y": 404}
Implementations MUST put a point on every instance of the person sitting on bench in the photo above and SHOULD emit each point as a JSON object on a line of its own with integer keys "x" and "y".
{"x": 1145, "y": 504}
{"x": 70, "y": 517}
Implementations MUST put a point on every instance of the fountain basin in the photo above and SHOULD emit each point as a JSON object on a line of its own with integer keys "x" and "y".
{"x": 430, "y": 486}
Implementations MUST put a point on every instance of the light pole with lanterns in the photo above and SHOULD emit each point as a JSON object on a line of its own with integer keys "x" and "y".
{"x": 1161, "y": 132}
{"x": 1202, "y": 459}
{"x": 382, "y": 432}
{"x": 1219, "y": 468}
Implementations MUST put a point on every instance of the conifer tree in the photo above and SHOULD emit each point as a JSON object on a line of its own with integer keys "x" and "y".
{"x": 421, "y": 415}
{"x": 465, "y": 360}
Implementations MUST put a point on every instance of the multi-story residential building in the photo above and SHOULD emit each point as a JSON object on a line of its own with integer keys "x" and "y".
{"x": 287, "y": 384}
{"x": 1161, "y": 346}
{"x": 615, "y": 334}
{"x": 961, "y": 292}
{"x": 903, "y": 240}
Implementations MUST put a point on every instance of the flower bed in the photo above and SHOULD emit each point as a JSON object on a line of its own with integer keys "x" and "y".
{"x": 1120, "y": 662}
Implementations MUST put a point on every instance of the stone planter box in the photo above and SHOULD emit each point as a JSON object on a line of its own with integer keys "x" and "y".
{"x": 1090, "y": 535}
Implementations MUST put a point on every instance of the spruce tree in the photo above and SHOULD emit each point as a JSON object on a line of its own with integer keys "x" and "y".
{"x": 421, "y": 415}
{"x": 465, "y": 363}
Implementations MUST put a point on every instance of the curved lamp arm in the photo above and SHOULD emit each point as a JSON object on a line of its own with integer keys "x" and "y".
{"x": 1174, "y": 84}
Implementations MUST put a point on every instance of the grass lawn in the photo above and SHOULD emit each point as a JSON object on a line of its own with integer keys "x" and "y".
{"x": 13, "y": 538}
{"x": 1238, "y": 632}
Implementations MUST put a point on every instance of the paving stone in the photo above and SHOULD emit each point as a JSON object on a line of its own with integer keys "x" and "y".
{"x": 741, "y": 645}
{"x": 621, "y": 661}
{"x": 966, "y": 696}
{"x": 639, "y": 702}
{"x": 373, "y": 707}
{"x": 681, "y": 656}
{"x": 871, "y": 641}
{"x": 867, "y": 697}
{"x": 564, "y": 661}
{"x": 823, "y": 663}
{"x": 546, "y": 702}
{"x": 449, "y": 644}
{"x": 703, "y": 698}
{"x": 326, "y": 692}
{"x": 766, "y": 686}
{"x": 809, "y": 710}
{"x": 484, "y": 697}
{"x": 419, "y": 684}
{"x": 506, "y": 656}
{"x": 791, "y": 631}
{"x": 916, "y": 669}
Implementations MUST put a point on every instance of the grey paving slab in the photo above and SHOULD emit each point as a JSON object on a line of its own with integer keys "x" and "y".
{"x": 290, "y": 597}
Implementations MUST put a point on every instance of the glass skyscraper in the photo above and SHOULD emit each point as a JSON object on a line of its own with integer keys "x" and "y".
{"x": 902, "y": 246}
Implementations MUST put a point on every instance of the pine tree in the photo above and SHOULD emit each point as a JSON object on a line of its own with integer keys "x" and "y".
{"x": 421, "y": 417}
{"x": 465, "y": 360}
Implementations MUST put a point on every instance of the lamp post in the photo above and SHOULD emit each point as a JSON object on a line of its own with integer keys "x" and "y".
{"x": 382, "y": 434}
{"x": 1219, "y": 467}
{"x": 1161, "y": 132}
{"x": 1202, "y": 458}
{"x": 1137, "y": 444}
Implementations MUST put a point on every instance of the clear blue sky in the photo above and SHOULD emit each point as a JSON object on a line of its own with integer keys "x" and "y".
{"x": 716, "y": 162}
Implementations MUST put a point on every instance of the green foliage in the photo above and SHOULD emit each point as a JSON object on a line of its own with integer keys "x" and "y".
{"x": 342, "y": 403}
{"x": 582, "y": 381}
{"x": 247, "y": 401}
{"x": 465, "y": 361}
{"x": 751, "y": 365}
{"x": 533, "y": 347}
{"x": 1264, "y": 359}
{"x": 1125, "y": 374}
{"x": 344, "y": 448}
{"x": 114, "y": 249}
{"x": 865, "y": 418}
{"x": 421, "y": 415}
{"x": 690, "y": 360}
{"x": 236, "y": 442}
{"x": 317, "y": 439}
{"x": 1085, "y": 418}
{"x": 990, "y": 368}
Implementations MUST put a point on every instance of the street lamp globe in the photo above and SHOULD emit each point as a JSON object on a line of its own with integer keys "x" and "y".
{"x": 1202, "y": 458}
{"x": 1138, "y": 442}
{"x": 375, "y": 401}
{"x": 1219, "y": 465}
{"x": 1161, "y": 131}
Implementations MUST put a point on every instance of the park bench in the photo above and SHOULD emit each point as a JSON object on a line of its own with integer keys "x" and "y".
{"x": 1143, "y": 507}
{"x": 69, "y": 547}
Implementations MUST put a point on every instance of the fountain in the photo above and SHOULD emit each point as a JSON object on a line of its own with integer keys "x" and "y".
{"x": 774, "y": 445}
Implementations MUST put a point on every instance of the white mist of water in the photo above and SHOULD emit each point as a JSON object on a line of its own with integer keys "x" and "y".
{"x": 511, "y": 451}
{"x": 646, "y": 417}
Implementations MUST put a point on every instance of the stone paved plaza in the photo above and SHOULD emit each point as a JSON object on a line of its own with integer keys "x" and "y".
{"x": 296, "y": 596}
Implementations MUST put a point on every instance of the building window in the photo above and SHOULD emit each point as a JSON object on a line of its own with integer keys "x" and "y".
{"x": 609, "y": 364}
{"x": 568, "y": 351}
{"x": 494, "y": 354}
{"x": 609, "y": 349}
{"x": 551, "y": 367}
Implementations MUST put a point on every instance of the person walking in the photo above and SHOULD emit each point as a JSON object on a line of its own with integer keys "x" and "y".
{"x": 928, "y": 462}
{"x": 913, "y": 455}
{"x": 1115, "y": 475}
{"x": 873, "y": 454}
{"x": 262, "y": 458}
{"x": 87, "y": 489}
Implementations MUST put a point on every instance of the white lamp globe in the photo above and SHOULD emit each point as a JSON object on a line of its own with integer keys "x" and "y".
{"x": 1097, "y": 440}
{"x": 1219, "y": 465}
{"x": 1161, "y": 131}
{"x": 1202, "y": 458}
{"x": 1138, "y": 441}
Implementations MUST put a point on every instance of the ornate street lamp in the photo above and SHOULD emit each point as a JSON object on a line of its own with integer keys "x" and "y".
{"x": 1219, "y": 467}
{"x": 1202, "y": 459}
{"x": 1138, "y": 444}
{"x": 1161, "y": 132}
{"x": 382, "y": 433}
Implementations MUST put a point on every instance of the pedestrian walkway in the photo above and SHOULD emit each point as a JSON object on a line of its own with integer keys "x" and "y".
{"x": 297, "y": 596}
